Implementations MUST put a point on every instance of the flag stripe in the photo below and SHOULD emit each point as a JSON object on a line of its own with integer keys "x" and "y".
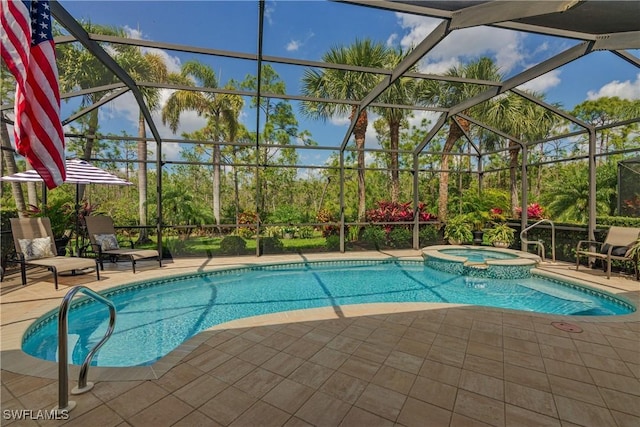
{"x": 29, "y": 52}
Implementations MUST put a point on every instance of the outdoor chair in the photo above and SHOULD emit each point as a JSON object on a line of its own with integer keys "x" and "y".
{"x": 103, "y": 240}
{"x": 35, "y": 245}
{"x": 616, "y": 246}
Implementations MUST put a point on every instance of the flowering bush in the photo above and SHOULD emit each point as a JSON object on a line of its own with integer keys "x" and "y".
{"x": 534, "y": 211}
{"x": 327, "y": 230}
{"x": 397, "y": 212}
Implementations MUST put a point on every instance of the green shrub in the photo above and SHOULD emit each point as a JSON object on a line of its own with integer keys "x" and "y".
{"x": 333, "y": 243}
{"x": 400, "y": 238}
{"x": 233, "y": 245}
{"x": 428, "y": 235}
{"x": 306, "y": 232}
{"x": 271, "y": 245}
{"x": 374, "y": 235}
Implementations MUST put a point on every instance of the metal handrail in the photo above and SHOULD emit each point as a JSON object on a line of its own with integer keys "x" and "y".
{"x": 524, "y": 239}
{"x": 63, "y": 364}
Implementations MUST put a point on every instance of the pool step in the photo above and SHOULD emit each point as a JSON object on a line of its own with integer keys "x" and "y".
{"x": 476, "y": 264}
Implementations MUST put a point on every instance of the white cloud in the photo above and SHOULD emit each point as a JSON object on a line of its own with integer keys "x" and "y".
{"x": 173, "y": 62}
{"x": 624, "y": 90}
{"x": 392, "y": 39}
{"x": 293, "y": 45}
{"x": 504, "y": 45}
{"x": 544, "y": 82}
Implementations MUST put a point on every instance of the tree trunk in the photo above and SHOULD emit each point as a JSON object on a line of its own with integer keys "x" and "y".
{"x": 394, "y": 129}
{"x": 514, "y": 150}
{"x": 32, "y": 191}
{"x": 359, "y": 132}
{"x": 10, "y": 163}
{"x": 143, "y": 237}
{"x": 455, "y": 133}
{"x": 216, "y": 183}
{"x": 88, "y": 147}
{"x": 236, "y": 190}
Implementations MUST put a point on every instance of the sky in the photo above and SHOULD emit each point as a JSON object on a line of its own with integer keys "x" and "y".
{"x": 308, "y": 29}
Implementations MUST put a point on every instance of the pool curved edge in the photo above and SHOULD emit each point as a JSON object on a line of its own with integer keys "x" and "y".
{"x": 16, "y": 361}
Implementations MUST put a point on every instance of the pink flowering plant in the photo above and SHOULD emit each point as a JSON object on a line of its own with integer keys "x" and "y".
{"x": 534, "y": 211}
{"x": 397, "y": 212}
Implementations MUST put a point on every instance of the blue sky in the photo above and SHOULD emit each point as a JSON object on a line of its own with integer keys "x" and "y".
{"x": 307, "y": 29}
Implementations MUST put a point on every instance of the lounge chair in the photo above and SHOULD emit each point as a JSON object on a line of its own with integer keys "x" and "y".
{"x": 35, "y": 245}
{"x": 616, "y": 246}
{"x": 102, "y": 235}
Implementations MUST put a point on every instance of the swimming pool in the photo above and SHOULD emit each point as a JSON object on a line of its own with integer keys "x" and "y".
{"x": 156, "y": 317}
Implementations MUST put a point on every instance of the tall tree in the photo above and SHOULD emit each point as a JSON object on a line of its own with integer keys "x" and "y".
{"x": 349, "y": 85}
{"x": 404, "y": 91}
{"x": 221, "y": 110}
{"x": 448, "y": 94}
{"x": 521, "y": 119}
{"x": 145, "y": 67}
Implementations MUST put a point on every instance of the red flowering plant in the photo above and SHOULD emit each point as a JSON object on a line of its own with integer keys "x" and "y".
{"x": 496, "y": 215}
{"x": 397, "y": 212}
{"x": 534, "y": 211}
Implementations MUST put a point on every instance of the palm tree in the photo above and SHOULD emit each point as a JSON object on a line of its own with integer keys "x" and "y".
{"x": 350, "y": 85}
{"x": 521, "y": 119}
{"x": 221, "y": 111}
{"x": 448, "y": 94}
{"x": 145, "y": 67}
{"x": 403, "y": 91}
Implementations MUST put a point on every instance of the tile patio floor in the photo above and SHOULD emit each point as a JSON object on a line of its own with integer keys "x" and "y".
{"x": 364, "y": 365}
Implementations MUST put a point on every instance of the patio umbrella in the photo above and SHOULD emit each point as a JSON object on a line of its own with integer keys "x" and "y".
{"x": 78, "y": 172}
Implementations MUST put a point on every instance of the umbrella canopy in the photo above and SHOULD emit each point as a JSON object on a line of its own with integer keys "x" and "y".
{"x": 78, "y": 172}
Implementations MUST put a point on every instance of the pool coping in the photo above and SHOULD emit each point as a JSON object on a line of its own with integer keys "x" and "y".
{"x": 17, "y": 361}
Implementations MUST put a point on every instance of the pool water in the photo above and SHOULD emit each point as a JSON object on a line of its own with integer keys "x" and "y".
{"x": 153, "y": 318}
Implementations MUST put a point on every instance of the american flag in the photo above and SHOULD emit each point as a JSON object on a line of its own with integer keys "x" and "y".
{"x": 29, "y": 52}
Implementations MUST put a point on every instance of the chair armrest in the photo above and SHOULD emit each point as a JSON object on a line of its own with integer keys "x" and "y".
{"x": 128, "y": 242}
{"x": 591, "y": 242}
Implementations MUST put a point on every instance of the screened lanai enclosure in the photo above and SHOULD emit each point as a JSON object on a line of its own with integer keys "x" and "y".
{"x": 345, "y": 124}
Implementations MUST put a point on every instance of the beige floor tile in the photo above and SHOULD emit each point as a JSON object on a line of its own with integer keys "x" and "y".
{"x": 178, "y": 377}
{"x": 413, "y": 347}
{"x": 482, "y": 384}
{"x": 297, "y": 422}
{"x": 323, "y": 410}
{"x": 373, "y": 353}
{"x": 257, "y": 354}
{"x": 419, "y": 414}
{"x": 483, "y": 365}
{"x": 228, "y": 405}
{"x": 196, "y": 419}
{"x": 232, "y": 370}
{"x": 582, "y": 413}
{"x": 107, "y": 390}
{"x": 440, "y": 372}
{"x": 404, "y": 361}
{"x": 517, "y": 416}
{"x": 394, "y": 379}
{"x": 522, "y": 346}
{"x": 23, "y": 385}
{"x": 360, "y": 368}
{"x": 283, "y": 364}
{"x": 279, "y": 341}
{"x": 559, "y": 353}
{"x": 106, "y": 415}
{"x": 200, "y": 390}
{"x": 530, "y": 398}
{"x": 486, "y": 351}
{"x": 625, "y": 420}
{"x": 616, "y": 366}
{"x": 137, "y": 399}
{"x": 311, "y": 374}
{"x": 567, "y": 370}
{"x": 235, "y": 345}
{"x": 447, "y": 356}
{"x": 288, "y": 395}
{"x": 434, "y": 392}
{"x": 621, "y": 383}
{"x": 575, "y": 390}
{"x": 359, "y": 417}
{"x": 525, "y": 360}
{"x": 480, "y": 408}
{"x": 345, "y": 344}
{"x": 258, "y": 382}
{"x": 209, "y": 360}
{"x": 303, "y": 348}
{"x": 165, "y": 412}
{"x": 622, "y": 402}
{"x": 527, "y": 377}
{"x": 344, "y": 387}
{"x": 329, "y": 358}
{"x": 381, "y": 401}
{"x": 262, "y": 414}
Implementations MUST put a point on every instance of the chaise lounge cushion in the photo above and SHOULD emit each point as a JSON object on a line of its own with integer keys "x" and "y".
{"x": 616, "y": 251}
{"x": 107, "y": 242}
{"x": 37, "y": 248}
